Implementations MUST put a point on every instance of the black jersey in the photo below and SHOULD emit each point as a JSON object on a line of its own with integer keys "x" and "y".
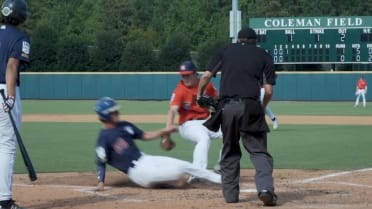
{"x": 242, "y": 69}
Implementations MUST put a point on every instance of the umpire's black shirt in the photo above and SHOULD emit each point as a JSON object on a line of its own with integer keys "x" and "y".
{"x": 242, "y": 67}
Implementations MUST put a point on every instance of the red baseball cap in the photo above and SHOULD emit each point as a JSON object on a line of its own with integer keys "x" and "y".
{"x": 187, "y": 68}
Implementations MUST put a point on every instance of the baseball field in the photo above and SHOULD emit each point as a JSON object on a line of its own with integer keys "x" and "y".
{"x": 322, "y": 156}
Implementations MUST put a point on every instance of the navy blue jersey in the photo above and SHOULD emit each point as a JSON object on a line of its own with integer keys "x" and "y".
{"x": 13, "y": 44}
{"x": 116, "y": 147}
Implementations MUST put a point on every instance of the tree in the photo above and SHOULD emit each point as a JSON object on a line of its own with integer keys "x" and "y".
{"x": 107, "y": 52}
{"x": 174, "y": 51}
{"x": 44, "y": 48}
{"x": 138, "y": 56}
{"x": 207, "y": 49}
{"x": 72, "y": 54}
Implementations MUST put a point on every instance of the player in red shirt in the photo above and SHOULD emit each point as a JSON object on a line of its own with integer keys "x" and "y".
{"x": 361, "y": 90}
{"x": 191, "y": 115}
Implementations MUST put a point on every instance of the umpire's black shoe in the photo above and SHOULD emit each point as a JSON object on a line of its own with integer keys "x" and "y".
{"x": 267, "y": 197}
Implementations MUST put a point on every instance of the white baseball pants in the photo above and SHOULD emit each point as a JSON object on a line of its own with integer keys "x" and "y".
{"x": 8, "y": 144}
{"x": 151, "y": 170}
{"x": 197, "y": 133}
{"x": 361, "y": 92}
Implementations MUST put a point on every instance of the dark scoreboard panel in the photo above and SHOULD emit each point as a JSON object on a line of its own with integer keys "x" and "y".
{"x": 308, "y": 40}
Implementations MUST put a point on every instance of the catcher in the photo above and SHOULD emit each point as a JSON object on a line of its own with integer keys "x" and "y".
{"x": 115, "y": 146}
{"x": 191, "y": 115}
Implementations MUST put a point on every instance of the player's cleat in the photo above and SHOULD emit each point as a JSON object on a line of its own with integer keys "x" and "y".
{"x": 217, "y": 169}
{"x": 11, "y": 205}
{"x": 195, "y": 180}
{"x": 267, "y": 197}
{"x": 275, "y": 124}
{"x": 191, "y": 179}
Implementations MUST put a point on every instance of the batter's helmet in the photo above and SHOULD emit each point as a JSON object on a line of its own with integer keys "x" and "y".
{"x": 105, "y": 106}
{"x": 14, "y": 9}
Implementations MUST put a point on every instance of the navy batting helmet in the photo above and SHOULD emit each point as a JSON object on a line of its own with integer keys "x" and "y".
{"x": 14, "y": 9}
{"x": 105, "y": 106}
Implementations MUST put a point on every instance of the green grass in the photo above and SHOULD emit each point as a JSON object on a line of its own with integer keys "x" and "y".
{"x": 63, "y": 147}
{"x": 321, "y": 147}
{"x": 318, "y": 108}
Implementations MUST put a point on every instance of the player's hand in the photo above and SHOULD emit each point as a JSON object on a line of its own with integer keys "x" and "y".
{"x": 170, "y": 129}
{"x": 8, "y": 103}
{"x": 100, "y": 186}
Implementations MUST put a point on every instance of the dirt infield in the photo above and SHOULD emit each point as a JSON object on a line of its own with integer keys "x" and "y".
{"x": 295, "y": 188}
{"x": 284, "y": 119}
{"x": 315, "y": 189}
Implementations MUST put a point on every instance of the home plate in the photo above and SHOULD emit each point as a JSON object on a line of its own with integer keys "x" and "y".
{"x": 248, "y": 190}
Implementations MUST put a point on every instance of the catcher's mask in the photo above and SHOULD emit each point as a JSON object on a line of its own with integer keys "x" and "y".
{"x": 106, "y": 107}
{"x": 15, "y": 11}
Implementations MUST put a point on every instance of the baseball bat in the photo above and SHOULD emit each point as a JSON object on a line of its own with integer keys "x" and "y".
{"x": 25, "y": 156}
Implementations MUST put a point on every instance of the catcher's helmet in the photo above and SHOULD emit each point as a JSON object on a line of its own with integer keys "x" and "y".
{"x": 104, "y": 107}
{"x": 187, "y": 68}
{"x": 14, "y": 9}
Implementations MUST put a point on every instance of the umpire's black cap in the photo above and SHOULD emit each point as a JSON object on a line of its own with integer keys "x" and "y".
{"x": 247, "y": 33}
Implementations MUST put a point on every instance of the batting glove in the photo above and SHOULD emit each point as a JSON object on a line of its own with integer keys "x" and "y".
{"x": 8, "y": 103}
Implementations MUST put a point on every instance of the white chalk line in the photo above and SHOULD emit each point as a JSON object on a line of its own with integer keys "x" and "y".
{"x": 319, "y": 178}
{"x": 83, "y": 189}
{"x": 344, "y": 183}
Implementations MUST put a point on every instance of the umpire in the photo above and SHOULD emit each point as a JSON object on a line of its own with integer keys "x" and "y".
{"x": 243, "y": 66}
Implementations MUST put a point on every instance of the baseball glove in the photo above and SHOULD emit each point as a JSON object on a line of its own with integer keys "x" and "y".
{"x": 167, "y": 143}
{"x": 206, "y": 102}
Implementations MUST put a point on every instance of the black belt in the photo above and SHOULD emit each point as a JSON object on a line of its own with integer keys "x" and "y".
{"x": 197, "y": 119}
{"x": 237, "y": 100}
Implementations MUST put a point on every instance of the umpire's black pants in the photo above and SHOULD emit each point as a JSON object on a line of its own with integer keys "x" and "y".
{"x": 254, "y": 143}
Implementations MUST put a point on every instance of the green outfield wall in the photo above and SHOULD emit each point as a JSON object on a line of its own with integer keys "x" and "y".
{"x": 299, "y": 86}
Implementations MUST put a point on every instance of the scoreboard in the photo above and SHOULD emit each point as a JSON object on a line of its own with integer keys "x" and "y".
{"x": 311, "y": 40}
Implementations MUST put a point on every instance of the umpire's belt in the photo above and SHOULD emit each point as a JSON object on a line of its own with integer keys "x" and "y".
{"x": 237, "y": 100}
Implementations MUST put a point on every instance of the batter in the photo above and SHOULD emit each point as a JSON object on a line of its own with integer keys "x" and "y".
{"x": 14, "y": 50}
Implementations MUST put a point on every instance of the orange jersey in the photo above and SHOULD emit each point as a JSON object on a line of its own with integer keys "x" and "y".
{"x": 361, "y": 84}
{"x": 185, "y": 98}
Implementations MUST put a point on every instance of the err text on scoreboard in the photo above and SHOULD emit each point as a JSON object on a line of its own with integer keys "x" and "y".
{"x": 311, "y": 40}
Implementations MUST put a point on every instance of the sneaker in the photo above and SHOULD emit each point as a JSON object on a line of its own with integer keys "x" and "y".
{"x": 267, "y": 197}
{"x": 11, "y": 205}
